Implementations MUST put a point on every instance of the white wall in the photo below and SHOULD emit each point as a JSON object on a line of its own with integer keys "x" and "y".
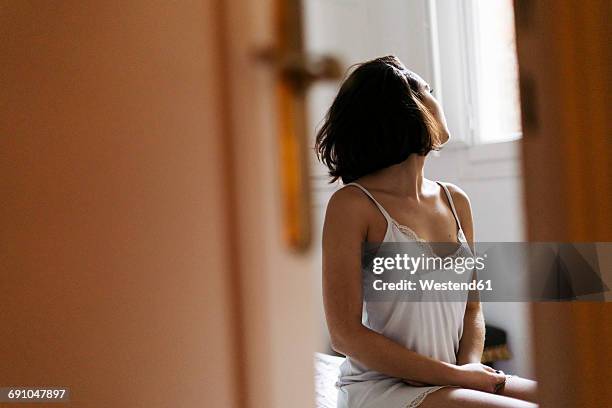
{"x": 357, "y": 30}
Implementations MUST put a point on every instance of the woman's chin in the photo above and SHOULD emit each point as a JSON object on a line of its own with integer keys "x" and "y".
{"x": 444, "y": 139}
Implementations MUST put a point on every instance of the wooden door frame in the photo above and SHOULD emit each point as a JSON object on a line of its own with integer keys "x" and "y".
{"x": 564, "y": 60}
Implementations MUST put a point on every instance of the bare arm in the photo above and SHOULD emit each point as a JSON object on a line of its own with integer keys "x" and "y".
{"x": 344, "y": 231}
{"x": 471, "y": 344}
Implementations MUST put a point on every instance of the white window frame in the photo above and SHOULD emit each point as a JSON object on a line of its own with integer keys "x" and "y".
{"x": 455, "y": 73}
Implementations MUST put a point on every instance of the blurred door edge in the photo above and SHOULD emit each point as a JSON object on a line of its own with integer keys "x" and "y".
{"x": 564, "y": 59}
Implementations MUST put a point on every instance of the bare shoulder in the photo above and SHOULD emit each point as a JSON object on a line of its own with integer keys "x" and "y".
{"x": 348, "y": 202}
{"x": 464, "y": 210}
{"x": 460, "y": 198}
{"x": 350, "y": 212}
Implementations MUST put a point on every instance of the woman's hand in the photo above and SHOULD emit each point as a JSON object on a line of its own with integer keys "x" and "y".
{"x": 479, "y": 377}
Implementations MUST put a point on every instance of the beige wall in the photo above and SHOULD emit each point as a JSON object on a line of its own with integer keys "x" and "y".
{"x": 113, "y": 224}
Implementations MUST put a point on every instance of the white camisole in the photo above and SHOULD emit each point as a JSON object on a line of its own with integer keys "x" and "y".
{"x": 433, "y": 329}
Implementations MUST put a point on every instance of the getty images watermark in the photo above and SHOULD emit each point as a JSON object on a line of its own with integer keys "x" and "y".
{"x": 494, "y": 272}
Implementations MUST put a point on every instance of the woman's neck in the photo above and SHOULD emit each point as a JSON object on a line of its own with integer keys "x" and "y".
{"x": 404, "y": 179}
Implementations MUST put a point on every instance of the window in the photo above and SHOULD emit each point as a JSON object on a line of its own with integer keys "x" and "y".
{"x": 494, "y": 70}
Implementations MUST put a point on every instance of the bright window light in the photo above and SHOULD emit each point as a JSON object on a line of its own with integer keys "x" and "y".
{"x": 498, "y": 115}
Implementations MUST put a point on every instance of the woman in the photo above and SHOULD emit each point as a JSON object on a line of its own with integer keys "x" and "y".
{"x": 375, "y": 138}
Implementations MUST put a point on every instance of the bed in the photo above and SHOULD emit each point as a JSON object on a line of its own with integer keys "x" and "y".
{"x": 327, "y": 369}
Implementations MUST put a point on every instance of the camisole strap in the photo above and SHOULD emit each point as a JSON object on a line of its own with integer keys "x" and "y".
{"x": 450, "y": 201}
{"x": 380, "y": 207}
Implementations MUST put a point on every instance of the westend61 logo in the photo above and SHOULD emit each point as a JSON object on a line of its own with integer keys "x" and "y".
{"x": 411, "y": 264}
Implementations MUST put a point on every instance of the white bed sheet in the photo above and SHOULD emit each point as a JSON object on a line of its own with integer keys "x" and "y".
{"x": 327, "y": 369}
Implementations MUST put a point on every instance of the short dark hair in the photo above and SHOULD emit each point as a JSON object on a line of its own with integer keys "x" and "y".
{"x": 376, "y": 120}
